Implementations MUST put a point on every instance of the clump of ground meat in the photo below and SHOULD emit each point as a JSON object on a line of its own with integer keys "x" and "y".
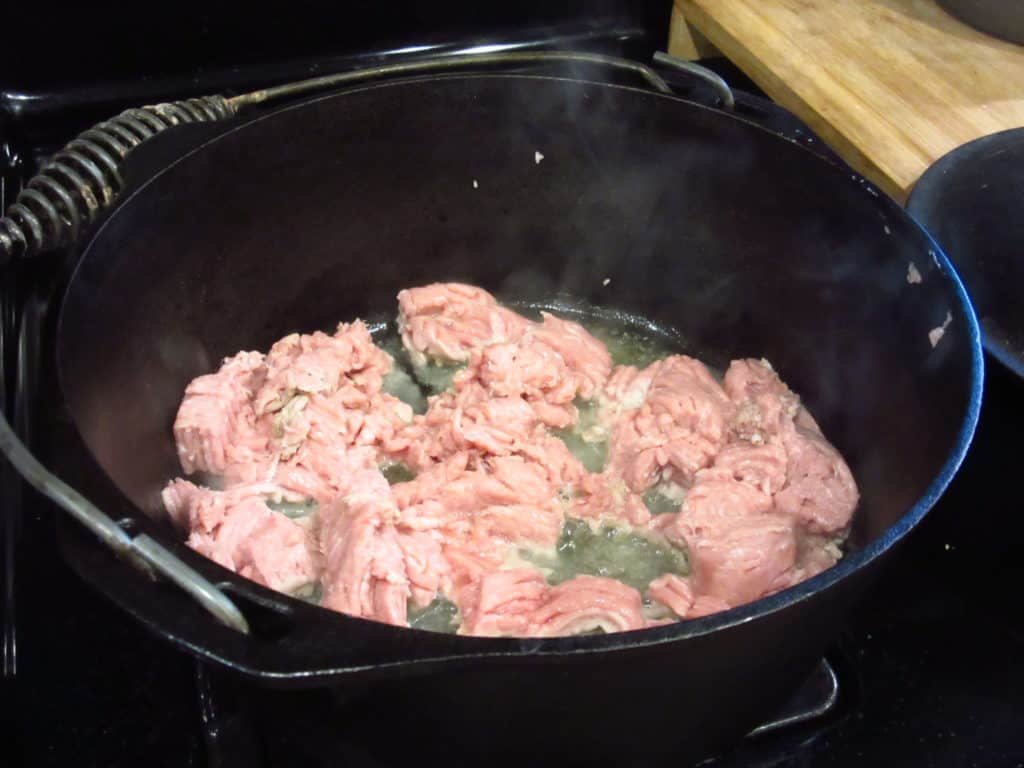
{"x": 329, "y": 486}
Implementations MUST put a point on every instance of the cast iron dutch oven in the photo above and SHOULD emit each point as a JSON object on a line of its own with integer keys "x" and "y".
{"x": 740, "y": 241}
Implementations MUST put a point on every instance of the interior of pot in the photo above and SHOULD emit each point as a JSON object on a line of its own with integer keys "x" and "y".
{"x": 744, "y": 244}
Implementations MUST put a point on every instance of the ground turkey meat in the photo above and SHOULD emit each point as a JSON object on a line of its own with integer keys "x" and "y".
{"x": 297, "y": 445}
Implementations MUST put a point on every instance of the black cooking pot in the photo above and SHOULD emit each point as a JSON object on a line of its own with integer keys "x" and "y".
{"x": 743, "y": 243}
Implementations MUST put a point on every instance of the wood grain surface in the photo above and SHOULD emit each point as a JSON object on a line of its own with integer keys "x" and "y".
{"x": 892, "y": 85}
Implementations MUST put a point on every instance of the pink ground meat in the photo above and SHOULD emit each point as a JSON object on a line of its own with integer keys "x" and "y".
{"x": 676, "y": 430}
{"x": 521, "y": 603}
{"x": 237, "y": 529}
{"x": 449, "y": 320}
{"x": 764, "y": 498}
{"x": 216, "y": 425}
{"x": 364, "y": 563}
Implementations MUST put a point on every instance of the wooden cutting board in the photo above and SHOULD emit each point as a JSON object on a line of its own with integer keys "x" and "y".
{"x": 891, "y": 85}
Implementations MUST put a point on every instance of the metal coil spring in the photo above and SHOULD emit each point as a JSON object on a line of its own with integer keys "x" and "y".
{"x": 83, "y": 179}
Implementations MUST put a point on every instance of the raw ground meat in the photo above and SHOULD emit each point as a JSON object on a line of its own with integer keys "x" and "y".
{"x": 216, "y": 427}
{"x": 364, "y": 562}
{"x": 237, "y": 529}
{"x": 677, "y": 428}
{"x": 447, "y": 321}
{"x": 762, "y": 499}
{"x": 520, "y": 602}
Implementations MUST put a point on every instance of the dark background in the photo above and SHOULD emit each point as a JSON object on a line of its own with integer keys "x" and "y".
{"x": 46, "y": 47}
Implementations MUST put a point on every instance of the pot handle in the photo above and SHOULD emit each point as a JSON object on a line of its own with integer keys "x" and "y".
{"x": 83, "y": 180}
{"x": 142, "y": 551}
{"x": 652, "y": 78}
{"x": 713, "y": 79}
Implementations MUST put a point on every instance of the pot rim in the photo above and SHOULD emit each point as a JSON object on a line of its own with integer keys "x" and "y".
{"x": 469, "y": 647}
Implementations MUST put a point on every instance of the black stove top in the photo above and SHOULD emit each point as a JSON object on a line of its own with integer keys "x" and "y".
{"x": 929, "y": 672}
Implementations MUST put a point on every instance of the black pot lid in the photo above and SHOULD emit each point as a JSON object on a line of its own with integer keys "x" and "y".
{"x": 972, "y": 203}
